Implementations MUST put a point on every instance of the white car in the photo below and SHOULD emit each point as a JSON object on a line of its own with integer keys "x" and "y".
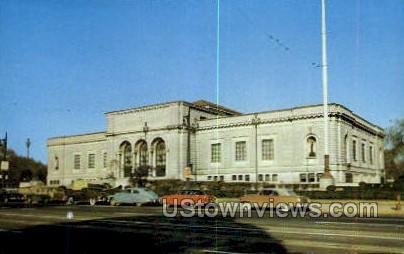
{"x": 134, "y": 196}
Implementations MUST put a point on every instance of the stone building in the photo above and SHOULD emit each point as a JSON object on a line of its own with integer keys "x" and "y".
{"x": 206, "y": 142}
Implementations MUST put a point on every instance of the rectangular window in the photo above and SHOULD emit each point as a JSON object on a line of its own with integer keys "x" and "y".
{"x": 303, "y": 178}
{"x": 267, "y": 177}
{"x": 371, "y": 154}
{"x": 354, "y": 150}
{"x": 240, "y": 177}
{"x": 54, "y": 182}
{"x": 215, "y": 152}
{"x": 215, "y": 178}
{"x": 91, "y": 160}
{"x": 76, "y": 161}
{"x": 267, "y": 149}
{"x": 274, "y": 177}
{"x": 260, "y": 177}
{"x": 312, "y": 178}
{"x": 104, "y": 160}
{"x": 241, "y": 151}
{"x": 209, "y": 178}
{"x": 221, "y": 178}
{"x": 247, "y": 178}
{"x": 234, "y": 177}
{"x": 363, "y": 153}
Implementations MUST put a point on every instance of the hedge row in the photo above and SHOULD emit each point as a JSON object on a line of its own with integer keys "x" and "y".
{"x": 218, "y": 189}
{"x": 232, "y": 190}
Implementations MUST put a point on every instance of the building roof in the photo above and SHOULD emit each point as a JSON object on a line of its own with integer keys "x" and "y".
{"x": 199, "y": 104}
{"x": 219, "y": 109}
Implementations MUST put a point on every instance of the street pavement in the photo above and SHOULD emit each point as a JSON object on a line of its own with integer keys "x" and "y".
{"x": 102, "y": 229}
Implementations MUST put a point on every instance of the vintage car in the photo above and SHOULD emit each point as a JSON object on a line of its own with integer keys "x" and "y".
{"x": 10, "y": 197}
{"x": 90, "y": 195}
{"x": 188, "y": 197}
{"x": 134, "y": 196}
{"x": 275, "y": 196}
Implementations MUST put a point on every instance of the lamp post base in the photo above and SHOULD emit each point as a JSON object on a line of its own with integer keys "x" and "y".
{"x": 326, "y": 180}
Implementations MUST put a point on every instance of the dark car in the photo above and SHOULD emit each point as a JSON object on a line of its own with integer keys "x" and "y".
{"x": 90, "y": 195}
{"x": 37, "y": 199}
{"x": 12, "y": 198}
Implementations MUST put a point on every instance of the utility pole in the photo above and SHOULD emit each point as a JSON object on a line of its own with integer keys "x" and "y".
{"x": 327, "y": 178}
{"x": 28, "y": 145}
{"x": 3, "y": 162}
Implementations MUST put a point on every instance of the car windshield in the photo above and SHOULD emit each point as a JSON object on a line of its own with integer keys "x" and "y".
{"x": 286, "y": 192}
{"x": 191, "y": 192}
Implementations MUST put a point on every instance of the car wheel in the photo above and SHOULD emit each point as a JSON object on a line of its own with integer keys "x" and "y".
{"x": 29, "y": 202}
{"x": 93, "y": 201}
{"x": 70, "y": 201}
{"x": 113, "y": 203}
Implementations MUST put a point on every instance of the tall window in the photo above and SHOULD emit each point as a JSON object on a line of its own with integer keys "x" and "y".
{"x": 363, "y": 153}
{"x": 91, "y": 160}
{"x": 346, "y": 148}
{"x": 215, "y": 152}
{"x": 371, "y": 154}
{"x": 76, "y": 161}
{"x": 241, "y": 152}
{"x": 160, "y": 162}
{"x": 274, "y": 177}
{"x": 126, "y": 153}
{"x": 267, "y": 149}
{"x": 260, "y": 177}
{"x": 127, "y": 156}
{"x": 354, "y": 150}
{"x": 311, "y": 146}
{"x": 267, "y": 177}
{"x": 247, "y": 178}
{"x": 56, "y": 163}
{"x": 348, "y": 178}
{"x": 104, "y": 160}
{"x": 143, "y": 153}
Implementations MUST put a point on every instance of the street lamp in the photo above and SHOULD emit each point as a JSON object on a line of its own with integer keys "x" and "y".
{"x": 256, "y": 121}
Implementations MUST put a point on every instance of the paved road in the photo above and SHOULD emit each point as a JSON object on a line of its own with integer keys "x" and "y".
{"x": 145, "y": 229}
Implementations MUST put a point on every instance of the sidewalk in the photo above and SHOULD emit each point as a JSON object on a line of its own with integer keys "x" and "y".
{"x": 386, "y": 208}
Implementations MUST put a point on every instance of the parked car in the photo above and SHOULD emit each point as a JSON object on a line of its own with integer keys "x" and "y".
{"x": 197, "y": 197}
{"x": 37, "y": 199}
{"x": 134, "y": 196}
{"x": 10, "y": 197}
{"x": 275, "y": 196}
{"x": 90, "y": 195}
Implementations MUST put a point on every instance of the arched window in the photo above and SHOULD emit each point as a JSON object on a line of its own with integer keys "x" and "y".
{"x": 126, "y": 153}
{"x": 160, "y": 156}
{"x": 142, "y": 153}
{"x": 348, "y": 178}
{"x": 311, "y": 146}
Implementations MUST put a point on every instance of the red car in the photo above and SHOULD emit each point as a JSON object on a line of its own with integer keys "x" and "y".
{"x": 188, "y": 197}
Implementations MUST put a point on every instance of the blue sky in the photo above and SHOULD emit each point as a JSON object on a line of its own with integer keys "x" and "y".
{"x": 64, "y": 63}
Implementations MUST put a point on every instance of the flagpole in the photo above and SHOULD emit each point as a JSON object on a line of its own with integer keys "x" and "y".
{"x": 327, "y": 178}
